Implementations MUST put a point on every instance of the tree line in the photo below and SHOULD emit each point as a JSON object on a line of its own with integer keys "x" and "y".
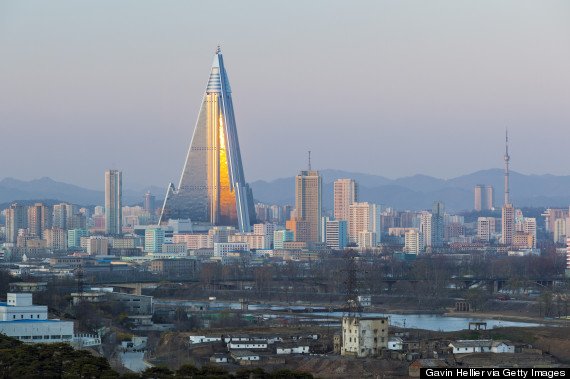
{"x": 60, "y": 360}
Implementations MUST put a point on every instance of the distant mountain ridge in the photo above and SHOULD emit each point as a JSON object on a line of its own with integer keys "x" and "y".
{"x": 420, "y": 191}
{"x": 46, "y": 188}
{"x": 413, "y": 192}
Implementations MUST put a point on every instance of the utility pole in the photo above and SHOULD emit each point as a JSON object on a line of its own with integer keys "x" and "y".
{"x": 353, "y": 307}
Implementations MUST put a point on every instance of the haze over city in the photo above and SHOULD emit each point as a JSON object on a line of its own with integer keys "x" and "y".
{"x": 391, "y": 88}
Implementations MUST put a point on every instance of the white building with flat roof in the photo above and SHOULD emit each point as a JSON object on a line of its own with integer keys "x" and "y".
{"x": 20, "y": 319}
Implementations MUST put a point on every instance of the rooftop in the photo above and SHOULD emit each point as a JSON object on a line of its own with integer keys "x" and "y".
{"x": 472, "y": 343}
{"x": 30, "y": 320}
{"x": 243, "y": 353}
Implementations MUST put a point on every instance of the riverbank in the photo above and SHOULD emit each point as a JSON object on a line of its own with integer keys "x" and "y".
{"x": 509, "y": 317}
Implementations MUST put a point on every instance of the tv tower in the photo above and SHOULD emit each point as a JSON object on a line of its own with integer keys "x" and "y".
{"x": 508, "y": 212}
{"x": 507, "y": 158}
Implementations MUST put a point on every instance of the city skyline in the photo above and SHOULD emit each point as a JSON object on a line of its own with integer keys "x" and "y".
{"x": 402, "y": 107}
{"x": 441, "y": 72}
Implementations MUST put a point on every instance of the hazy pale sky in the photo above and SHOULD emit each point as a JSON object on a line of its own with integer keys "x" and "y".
{"x": 392, "y": 88}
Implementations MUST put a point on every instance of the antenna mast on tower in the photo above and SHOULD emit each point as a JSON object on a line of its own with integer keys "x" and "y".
{"x": 352, "y": 307}
{"x": 507, "y": 157}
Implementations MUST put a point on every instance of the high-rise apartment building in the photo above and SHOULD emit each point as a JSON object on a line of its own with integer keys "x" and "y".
{"x": 337, "y": 234}
{"x": 483, "y": 197}
{"x": 529, "y": 227}
{"x": 221, "y": 234}
{"x": 559, "y": 230}
{"x": 113, "y": 202}
{"x": 16, "y": 219}
{"x": 308, "y": 202}
{"x": 567, "y": 272}
{"x": 345, "y": 194}
{"x": 76, "y": 221}
{"x": 282, "y": 236}
{"x": 60, "y": 215}
{"x": 276, "y": 214}
{"x": 485, "y": 228}
{"x": 437, "y": 227}
{"x": 425, "y": 227}
{"x": 149, "y": 202}
{"x": 507, "y": 224}
{"x": 364, "y": 217}
{"x": 39, "y": 219}
{"x": 414, "y": 242}
{"x": 56, "y": 238}
{"x": 261, "y": 212}
{"x": 301, "y": 229}
{"x": 74, "y": 237}
{"x": 95, "y": 245}
{"x": 288, "y": 211}
{"x": 212, "y": 187}
{"x": 153, "y": 240}
{"x": 367, "y": 240}
{"x": 266, "y": 229}
{"x": 551, "y": 215}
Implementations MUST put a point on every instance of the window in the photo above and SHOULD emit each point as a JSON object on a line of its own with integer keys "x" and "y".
{"x": 375, "y": 331}
{"x": 31, "y": 316}
{"x": 54, "y": 337}
{"x": 14, "y": 316}
{"x": 67, "y": 337}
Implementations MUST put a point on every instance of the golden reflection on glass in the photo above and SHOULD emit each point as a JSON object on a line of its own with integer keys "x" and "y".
{"x": 228, "y": 210}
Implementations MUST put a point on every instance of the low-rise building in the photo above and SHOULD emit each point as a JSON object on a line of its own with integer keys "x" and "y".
{"x": 28, "y": 286}
{"x": 224, "y": 249}
{"x": 194, "y": 241}
{"x": 259, "y": 344}
{"x": 174, "y": 247}
{"x": 203, "y": 339}
{"x": 244, "y": 355}
{"x": 481, "y": 346}
{"x": 291, "y": 348}
{"x": 177, "y": 267}
{"x": 219, "y": 358}
{"x": 255, "y": 241}
{"x": 133, "y": 304}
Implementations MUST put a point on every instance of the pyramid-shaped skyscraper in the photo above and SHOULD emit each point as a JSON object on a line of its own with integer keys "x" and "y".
{"x": 212, "y": 189}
